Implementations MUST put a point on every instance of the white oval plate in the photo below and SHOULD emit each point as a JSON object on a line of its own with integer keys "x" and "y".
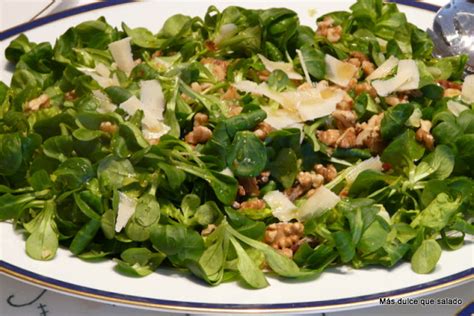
{"x": 336, "y": 289}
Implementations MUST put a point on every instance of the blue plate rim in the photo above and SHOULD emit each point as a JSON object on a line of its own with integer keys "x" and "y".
{"x": 185, "y": 306}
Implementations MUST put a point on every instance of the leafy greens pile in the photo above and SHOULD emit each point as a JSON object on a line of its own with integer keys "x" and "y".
{"x": 79, "y": 169}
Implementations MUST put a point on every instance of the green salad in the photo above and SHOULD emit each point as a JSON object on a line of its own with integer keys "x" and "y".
{"x": 240, "y": 143}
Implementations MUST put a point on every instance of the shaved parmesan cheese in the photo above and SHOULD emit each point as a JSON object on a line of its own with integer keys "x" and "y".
{"x": 468, "y": 89}
{"x": 282, "y": 208}
{"x": 407, "y": 78}
{"x": 126, "y": 208}
{"x": 303, "y": 65}
{"x": 103, "y": 81}
{"x": 152, "y": 104}
{"x": 410, "y": 69}
{"x": 260, "y": 89}
{"x": 384, "y": 214}
{"x": 152, "y": 98}
{"x": 384, "y": 69}
{"x": 96, "y": 74}
{"x": 122, "y": 53}
{"x": 320, "y": 202}
{"x": 383, "y": 44}
{"x": 102, "y": 70}
{"x": 456, "y": 108}
{"x": 278, "y": 65}
{"x": 325, "y": 104}
{"x": 226, "y": 31}
{"x": 279, "y": 119}
{"x": 339, "y": 72}
{"x": 132, "y": 105}
{"x": 227, "y": 172}
{"x": 252, "y": 87}
{"x": 373, "y": 163}
{"x": 298, "y": 106}
{"x": 154, "y": 129}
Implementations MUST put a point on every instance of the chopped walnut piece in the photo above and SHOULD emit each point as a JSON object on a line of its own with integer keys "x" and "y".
{"x": 305, "y": 182}
{"x": 394, "y": 100}
{"x": 40, "y": 102}
{"x": 360, "y": 60}
{"x": 304, "y": 178}
{"x": 250, "y": 185}
{"x": 334, "y": 34}
{"x": 367, "y": 67}
{"x": 329, "y": 137}
{"x": 263, "y": 75}
{"x": 284, "y": 236}
{"x": 262, "y": 130}
{"x": 294, "y": 192}
{"x": 346, "y": 103}
{"x": 365, "y": 87}
{"x": 344, "y": 119}
{"x": 369, "y": 134}
{"x": 309, "y": 180}
{"x": 218, "y": 67}
{"x": 200, "y": 87}
{"x": 423, "y": 134}
{"x": 108, "y": 127}
{"x": 352, "y": 84}
{"x": 337, "y": 138}
{"x": 360, "y": 56}
{"x": 324, "y": 25}
{"x": 347, "y": 139}
{"x": 235, "y": 110}
{"x": 208, "y": 230}
{"x": 287, "y": 252}
{"x": 201, "y": 119}
{"x": 355, "y": 61}
{"x": 199, "y": 135}
{"x": 256, "y": 204}
{"x": 186, "y": 98}
{"x": 450, "y": 92}
{"x": 450, "y": 85}
{"x": 230, "y": 94}
{"x": 328, "y": 173}
{"x": 328, "y": 30}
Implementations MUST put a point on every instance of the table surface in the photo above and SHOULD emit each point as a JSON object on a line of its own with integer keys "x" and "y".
{"x": 18, "y": 298}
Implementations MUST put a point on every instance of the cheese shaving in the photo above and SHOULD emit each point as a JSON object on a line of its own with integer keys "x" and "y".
{"x": 278, "y": 65}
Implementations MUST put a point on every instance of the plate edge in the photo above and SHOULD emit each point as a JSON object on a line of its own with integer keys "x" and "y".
{"x": 195, "y": 307}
